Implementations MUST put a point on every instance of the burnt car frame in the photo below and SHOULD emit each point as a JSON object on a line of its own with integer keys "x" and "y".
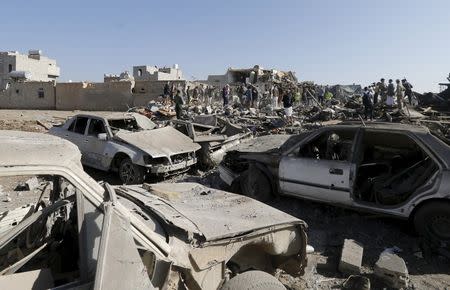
{"x": 391, "y": 169}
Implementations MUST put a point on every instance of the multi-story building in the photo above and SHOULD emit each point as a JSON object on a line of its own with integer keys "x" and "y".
{"x": 32, "y": 67}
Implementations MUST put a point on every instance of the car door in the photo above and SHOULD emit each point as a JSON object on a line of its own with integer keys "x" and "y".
{"x": 76, "y": 134}
{"x": 321, "y": 168}
{"x": 96, "y": 143}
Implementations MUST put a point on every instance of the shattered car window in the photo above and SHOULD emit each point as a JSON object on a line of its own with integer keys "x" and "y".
{"x": 131, "y": 123}
{"x": 391, "y": 167}
{"x": 143, "y": 122}
{"x": 331, "y": 145}
{"x": 96, "y": 127}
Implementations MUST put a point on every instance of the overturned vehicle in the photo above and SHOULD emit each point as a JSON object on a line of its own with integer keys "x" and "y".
{"x": 391, "y": 169}
{"x": 74, "y": 233}
{"x": 130, "y": 144}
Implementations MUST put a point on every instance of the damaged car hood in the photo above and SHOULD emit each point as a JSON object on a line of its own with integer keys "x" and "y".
{"x": 161, "y": 142}
{"x": 211, "y": 213}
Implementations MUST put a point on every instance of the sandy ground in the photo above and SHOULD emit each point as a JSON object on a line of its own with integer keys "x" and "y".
{"x": 328, "y": 226}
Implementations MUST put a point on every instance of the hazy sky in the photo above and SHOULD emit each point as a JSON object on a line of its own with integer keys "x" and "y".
{"x": 327, "y": 42}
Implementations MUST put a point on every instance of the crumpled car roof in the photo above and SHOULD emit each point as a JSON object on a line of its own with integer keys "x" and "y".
{"x": 212, "y": 213}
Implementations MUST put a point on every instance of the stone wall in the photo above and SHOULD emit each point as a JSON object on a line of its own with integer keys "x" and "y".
{"x": 146, "y": 91}
{"x": 109, "y": 96}
{"x": 112, "y": 96}
{"x": 29, "y": 95}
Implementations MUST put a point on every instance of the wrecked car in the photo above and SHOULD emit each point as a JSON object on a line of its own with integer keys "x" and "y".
{"x": 392, "y": 169}
{"x": 128, "y": 143}
{"x": 214, "y": 135}
{"x": 77, "y": 233}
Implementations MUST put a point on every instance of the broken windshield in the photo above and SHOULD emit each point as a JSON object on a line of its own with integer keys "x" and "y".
{"x": 131, "y": 123}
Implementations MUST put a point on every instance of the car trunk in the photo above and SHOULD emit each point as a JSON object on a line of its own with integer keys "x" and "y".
{"x": 210, "y": 213}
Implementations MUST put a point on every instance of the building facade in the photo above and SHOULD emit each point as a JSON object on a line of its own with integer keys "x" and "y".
{"x": 16, "y": 67}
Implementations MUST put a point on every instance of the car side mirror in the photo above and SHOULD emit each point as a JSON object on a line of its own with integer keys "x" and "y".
{"x": 102, "y": 136}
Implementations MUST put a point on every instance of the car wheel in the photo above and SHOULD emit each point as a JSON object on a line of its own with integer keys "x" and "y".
{"x": 253, "y": 280}
{"x": 433, "y": 221}
{"x": 131, "y": 173}
{"x": 255, "y": 184}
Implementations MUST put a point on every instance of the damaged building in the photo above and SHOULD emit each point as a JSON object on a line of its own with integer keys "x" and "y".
{"x": 253, "y": 75}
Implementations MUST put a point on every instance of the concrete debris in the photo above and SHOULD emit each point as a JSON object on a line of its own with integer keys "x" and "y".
{"x": 392, "y": 270}
{"x": 351, "y": 257}
{"x": 356, "y": 282}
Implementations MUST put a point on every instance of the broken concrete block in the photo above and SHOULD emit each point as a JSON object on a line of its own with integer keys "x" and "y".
{"x": 392, "y": 270}
{"x": 351, "y": 257}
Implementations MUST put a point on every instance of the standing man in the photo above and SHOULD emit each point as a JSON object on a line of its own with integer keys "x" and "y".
{"x": 209, "y": 95}
{"x": 241, "y": 93}
{"x": 166, "y": 92}
{"x": 178, "y": 104}
{"x": 173, "y": 91}
{"x": 328, "y": 95}
{"x": 382, "y": 90}
{"x": 248, "y": 96}
{"x": 275, "y": 96}
{"x": 255, "y": 97}
{"x": 376, "y": 89}
{"x": 201, "y": 94}
{"x": 195, "y": 94}
{"x": 400, "y": 94}
{"x": 368, "y": 104}
{"x": 287, "y": 105}
{"x": 188, "y": 94}
{"x": 390, "y": 93}
{"x": 320, "y": 94}
{"x": 408, "y": 90}
{"x": 225, "y": 95}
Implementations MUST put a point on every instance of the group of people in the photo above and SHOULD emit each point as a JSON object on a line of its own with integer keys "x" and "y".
{"x": 185, "y": 94}
{"x": 388, "y": 94}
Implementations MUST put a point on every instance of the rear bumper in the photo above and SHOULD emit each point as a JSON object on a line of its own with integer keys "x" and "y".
{"x": 164, "y": 169}
{"x": 227, "y": 175}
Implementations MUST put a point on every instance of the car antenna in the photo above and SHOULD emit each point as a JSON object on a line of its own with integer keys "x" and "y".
{"x": 361, "y": 119}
